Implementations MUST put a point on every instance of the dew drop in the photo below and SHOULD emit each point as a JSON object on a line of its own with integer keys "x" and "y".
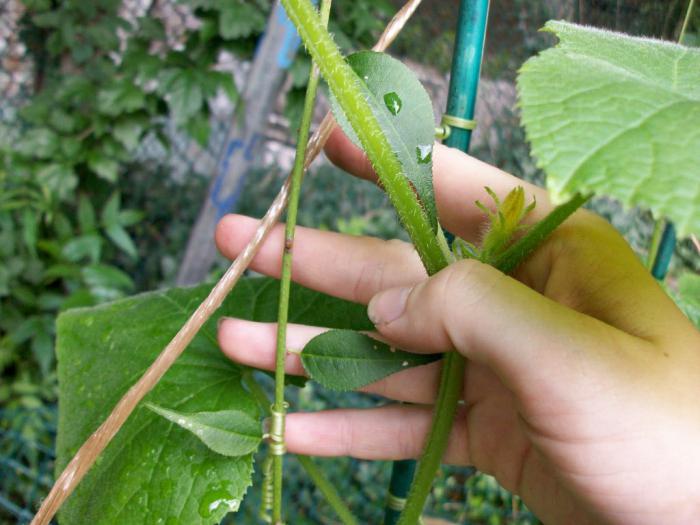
{"x": 424, "y": 153}
{"x": 214, "y": 500}
{"x": 393, "y": 102}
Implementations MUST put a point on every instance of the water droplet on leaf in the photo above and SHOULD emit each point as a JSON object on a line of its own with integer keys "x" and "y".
{"x": 214, "y": 500}
{"x": 393, "y": 102}
{"x": 424, "y": 153}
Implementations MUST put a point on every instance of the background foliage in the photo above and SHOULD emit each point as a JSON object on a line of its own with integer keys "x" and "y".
{"x": 84, "y": 218}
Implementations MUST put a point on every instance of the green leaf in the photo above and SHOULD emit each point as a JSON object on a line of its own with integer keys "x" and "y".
{"x": 616, "y": 115}
{"x": 106, "y": 168}
{"x": 128, "y": 133}
{"x": 61, "y": 271}
{"x": 42, "y": 347}
{"x": 121, "y": 97}
{"x": 405, "y": 113}
{"x": 226, "y": 432}
{"x": 183, "y": 92}
{"x": 62, "y": 121}
{"x": 121, "y": 238}
{"x": 199, "y": 128}
{"x": 106, "y": 280}
{"x": 86, "y": 215}
{"x": 110, "y": 212}
{"x": 154, "y": 469}
{"x": 346, "y": 360}
{"x": 130, "y": 217}
{"x": 30, "y": 229}
{"x": 59, "y": 179}
{"x": 85, "y": 246}
{"x": 239, "y": 19}
{"x": 39, "y": 143}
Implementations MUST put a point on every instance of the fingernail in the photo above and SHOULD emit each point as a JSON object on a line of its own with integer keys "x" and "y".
{"x": 388, "y": 306}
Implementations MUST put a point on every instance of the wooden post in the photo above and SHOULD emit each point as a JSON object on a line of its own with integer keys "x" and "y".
{"x": 243, "y": 141}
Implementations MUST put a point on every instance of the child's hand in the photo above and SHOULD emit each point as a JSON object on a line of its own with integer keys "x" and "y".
{"x": 582, "y": 390}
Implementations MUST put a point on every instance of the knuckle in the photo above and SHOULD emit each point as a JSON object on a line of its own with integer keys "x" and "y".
{"x": 468, "y": 283}
{"x": 372, "y": 276}
{"x": 463, "y": 287}
{"x": 346, "y": 435}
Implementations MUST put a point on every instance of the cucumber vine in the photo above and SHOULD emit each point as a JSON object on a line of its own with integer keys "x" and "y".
{"x": 351, "y": 94}
{"x": 217, "y": 451}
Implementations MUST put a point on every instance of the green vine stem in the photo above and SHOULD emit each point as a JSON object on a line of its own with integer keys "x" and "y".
{"x": 345, "y": 85}
{"x": 332, "y": 496}
{"x": 686, "y": 21}
{"x": 453, "y": 368}
{"x": 329, "y": 492}
{"x": 277, "y": 446}
{"x": 519, "y": 250}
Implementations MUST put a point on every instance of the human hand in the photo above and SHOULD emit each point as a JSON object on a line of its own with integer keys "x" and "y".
{"x": 582, "y": 387}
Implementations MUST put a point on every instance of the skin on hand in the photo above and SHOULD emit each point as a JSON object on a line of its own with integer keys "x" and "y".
{"x": 582, "y": 389}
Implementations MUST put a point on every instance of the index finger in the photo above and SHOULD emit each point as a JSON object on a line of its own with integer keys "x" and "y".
{"x": 458, "y": 178}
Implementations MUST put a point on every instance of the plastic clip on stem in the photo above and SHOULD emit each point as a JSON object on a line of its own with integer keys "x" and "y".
{"x": 456, "y": 130}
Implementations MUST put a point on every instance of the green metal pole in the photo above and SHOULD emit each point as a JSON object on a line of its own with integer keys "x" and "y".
{"x": 461, "y": 103}
{"x": 466, "y": 68}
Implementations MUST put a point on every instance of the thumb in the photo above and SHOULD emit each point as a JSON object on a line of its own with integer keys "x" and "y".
{"x": 528, "y": 340}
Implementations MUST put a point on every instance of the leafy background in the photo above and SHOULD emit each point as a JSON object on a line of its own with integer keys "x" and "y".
{"x": 101, "y": 172}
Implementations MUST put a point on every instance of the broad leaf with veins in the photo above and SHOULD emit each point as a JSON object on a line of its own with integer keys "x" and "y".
{"x": 615, "y": 115}
{"x": 156, "y": 471}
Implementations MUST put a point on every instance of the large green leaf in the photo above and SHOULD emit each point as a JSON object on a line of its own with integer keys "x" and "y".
{"x": 616, "y": 115}
{"x": 347, "y": 360}
{"x": 154, "y": 469}
{"x": 405, "y": 113}
{"x": 183, "y": 91}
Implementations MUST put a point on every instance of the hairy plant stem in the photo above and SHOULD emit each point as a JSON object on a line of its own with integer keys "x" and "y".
{"x": 279, "y": 406}
{"x": 93, "y": 446}
{"x": 521, "y": 249}
{"x": 345, "y": 86}
{"x": 452, "y": 376}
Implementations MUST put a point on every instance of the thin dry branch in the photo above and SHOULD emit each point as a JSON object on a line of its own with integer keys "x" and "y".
{"x": 83, "y": 460}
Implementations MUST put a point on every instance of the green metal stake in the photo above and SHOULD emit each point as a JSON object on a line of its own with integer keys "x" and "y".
{"x": 466, "y": 69}
{"x": 461, "y": 103}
